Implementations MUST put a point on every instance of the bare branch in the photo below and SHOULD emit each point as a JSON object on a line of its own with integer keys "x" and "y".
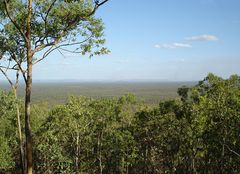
{"x": 44, "y": 55}
{"x": 232, "y": 150}
{"x": 6, "y": 68}
{"x": 97, "y": 5}
{"x": 9, "y": 62}
{"x": 20, "y": 67}
{"x": 58, "y": 49}
{"x": 70, "y": 51}
{"x": 6, "y": 76}
{"x": 51, "y": 49}
{"x": 17, "y": 79}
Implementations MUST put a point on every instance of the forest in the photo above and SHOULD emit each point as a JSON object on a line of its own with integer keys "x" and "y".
{"x": 198, "y": 132}
{"x": 195, "y": 132}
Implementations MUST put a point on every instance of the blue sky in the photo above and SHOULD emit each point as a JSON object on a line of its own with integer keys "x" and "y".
{"x": 157, "y": 40}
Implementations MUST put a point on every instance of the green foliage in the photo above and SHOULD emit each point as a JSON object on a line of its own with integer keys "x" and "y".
{"x": 92, "y": 134}
{"x": 52, "y": 22}
{"x": 220, "y": 118}
{"x": 198, "y": 133}
{"x": 7, "y": 130}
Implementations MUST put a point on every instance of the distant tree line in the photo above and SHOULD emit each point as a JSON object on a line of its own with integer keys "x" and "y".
{"x": 199, "y": 132}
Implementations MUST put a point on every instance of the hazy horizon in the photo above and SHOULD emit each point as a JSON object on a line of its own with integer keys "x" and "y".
{"x": 58, "y": 92}
{"x": 99, "y": 81}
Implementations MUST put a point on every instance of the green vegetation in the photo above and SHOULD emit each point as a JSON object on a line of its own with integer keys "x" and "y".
{"x": 7, "y": 130}
{"x": 198, "y": 132}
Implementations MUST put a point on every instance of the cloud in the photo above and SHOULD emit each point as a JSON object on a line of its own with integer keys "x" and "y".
{"x": 204, "y": 37}
{"x": 173, "y": 46}
{"x": 187, "y": 43}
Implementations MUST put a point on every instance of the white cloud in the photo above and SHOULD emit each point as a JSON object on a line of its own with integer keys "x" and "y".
{"x": 173, "y": 46}
{"x": 182, "y": 45}
{"x": 204, "y": 37}
{"x": 187, "y": 43}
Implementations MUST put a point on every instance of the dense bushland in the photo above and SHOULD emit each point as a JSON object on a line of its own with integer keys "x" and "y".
{"x": 196, "y": 133}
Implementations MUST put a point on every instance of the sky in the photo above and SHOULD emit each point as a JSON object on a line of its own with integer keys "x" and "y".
{"x": 157, "y": 40}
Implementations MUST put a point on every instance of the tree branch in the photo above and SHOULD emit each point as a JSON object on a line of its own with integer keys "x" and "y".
{"x": 41, "y": 47}
{"x": 97, "y": 5}
{"x": 58, "y": 39}
{"x": 20, "y": 67}
{"x": 17, "y": 79}
{"x": 6, "y": 68}
{"x": 47, "y": 13}
{"x": 70, "y": 51}
{"x": 13, "y": 21}
{"x": 232, "y": 150}
{"x": 6, "y": 76}
{"x": 44, "y": 55}
{"x": 51, "y": 49}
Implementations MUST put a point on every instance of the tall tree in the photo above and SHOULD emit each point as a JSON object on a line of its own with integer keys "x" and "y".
{"x": 5, "y": 66}
{"x": 37, "y": 26}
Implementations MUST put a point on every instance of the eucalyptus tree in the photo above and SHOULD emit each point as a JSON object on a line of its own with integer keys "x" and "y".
{"x": 32, "y": 29}
{"x": 10, "y": 51}
{"x": 87, "y": 135}
{"x": 218, "y": 110}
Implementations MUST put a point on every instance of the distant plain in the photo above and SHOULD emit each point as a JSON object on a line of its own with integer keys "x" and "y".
{"x": 58, "y": 92}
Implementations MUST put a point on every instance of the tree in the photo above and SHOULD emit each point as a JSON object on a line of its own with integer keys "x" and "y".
{"x": 87, "y": 135}
{"x": 211, "y": 111}
{"x": 218, "y": 108}
{"x": 37, "y": 26}
{"x": 14, "y": 86}
{"x": 10, "y": 50}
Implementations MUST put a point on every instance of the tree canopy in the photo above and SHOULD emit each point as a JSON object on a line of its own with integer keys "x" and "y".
{"x": 195, "y": 133}
{"x": 55, "y": 25}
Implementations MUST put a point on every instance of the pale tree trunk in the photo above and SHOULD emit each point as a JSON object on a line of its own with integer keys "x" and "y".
{"x": 19, "y": 133}
{"x": 77, "y": 153}
{"x": 100, "y": 137}
{"x": 14, "y": 90}
{"x": 28, "y": 90}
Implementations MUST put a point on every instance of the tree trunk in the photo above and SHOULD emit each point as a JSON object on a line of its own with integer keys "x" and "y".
{"x": 28, "y": 91}
{"x": 28, "y": 128}
{"x": 100, "y": 137}
{"x": 27, "y": 120}
{"x": 19, "y": 133}
{"x": 77, "y": 153}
